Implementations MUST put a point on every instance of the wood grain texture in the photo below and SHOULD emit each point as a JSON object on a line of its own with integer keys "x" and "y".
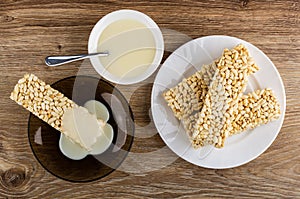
{"x": 32, "y": 29}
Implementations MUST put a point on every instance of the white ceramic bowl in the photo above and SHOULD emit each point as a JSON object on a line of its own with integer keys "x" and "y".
{"x": 120, "y": 15}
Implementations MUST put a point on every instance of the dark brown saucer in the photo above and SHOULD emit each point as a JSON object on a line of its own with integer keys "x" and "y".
{"x": 44, "y": 139}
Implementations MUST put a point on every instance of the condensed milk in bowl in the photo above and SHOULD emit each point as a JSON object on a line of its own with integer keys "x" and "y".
{"x": 134, "y": 42}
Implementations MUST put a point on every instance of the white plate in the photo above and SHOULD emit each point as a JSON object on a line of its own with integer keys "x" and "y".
{"x": 238, "y": 149}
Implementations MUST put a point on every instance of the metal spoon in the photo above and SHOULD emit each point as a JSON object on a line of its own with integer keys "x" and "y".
{"x": 59, "y": 60}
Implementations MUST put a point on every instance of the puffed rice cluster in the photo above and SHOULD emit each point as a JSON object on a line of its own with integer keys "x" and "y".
{"x": 211, "y": 103}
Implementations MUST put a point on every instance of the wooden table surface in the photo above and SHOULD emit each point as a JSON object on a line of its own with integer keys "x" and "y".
{"x": 33, "y": 29}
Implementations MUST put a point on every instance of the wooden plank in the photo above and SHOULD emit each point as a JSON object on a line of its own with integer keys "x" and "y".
{"x": 32, "y": 29}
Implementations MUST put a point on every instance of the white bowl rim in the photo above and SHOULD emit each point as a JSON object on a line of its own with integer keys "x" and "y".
{"x": 118, "y": 15}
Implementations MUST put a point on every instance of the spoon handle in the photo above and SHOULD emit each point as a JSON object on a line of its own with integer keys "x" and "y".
{"x": 59, "y": 60}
